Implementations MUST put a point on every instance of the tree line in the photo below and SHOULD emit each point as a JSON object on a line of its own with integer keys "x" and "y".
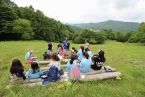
{"x": 108, "y": 34}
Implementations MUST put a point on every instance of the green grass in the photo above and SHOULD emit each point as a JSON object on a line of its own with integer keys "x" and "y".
{"x": 126, "y": 58}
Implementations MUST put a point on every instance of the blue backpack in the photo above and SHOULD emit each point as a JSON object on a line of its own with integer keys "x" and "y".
{"x": 53, "y": 74}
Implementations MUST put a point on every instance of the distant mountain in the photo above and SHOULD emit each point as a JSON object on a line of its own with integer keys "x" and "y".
{"x": 119, "y": 26}
{"x": 75, "y": 28}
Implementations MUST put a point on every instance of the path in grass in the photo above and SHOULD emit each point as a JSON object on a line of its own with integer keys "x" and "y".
{"x": 126, "y": 58}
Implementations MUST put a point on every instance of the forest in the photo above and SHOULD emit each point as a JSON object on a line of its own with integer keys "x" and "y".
{"x": 26, "y": 23}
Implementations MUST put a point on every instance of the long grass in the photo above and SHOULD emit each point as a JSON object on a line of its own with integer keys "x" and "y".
{"x": 126, "y": 58}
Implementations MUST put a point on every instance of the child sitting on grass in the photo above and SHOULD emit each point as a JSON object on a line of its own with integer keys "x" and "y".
{"x": 73, "y": 69}
{"x": 74, "y": 51}
{"x": 80, "y": 53}
{"x": 55, "y": 70}
{"x": 85, "y": 64}
{"x": 98, "y": 60}
{"x": 55, "y": 61}
{"x": 34, "y": 72}
{"x": 17, "y": 70}
{"x": 59, "y": 48}
{"x": 71, "y": 63}
{"x": 89, "y": 52}
{"x": 45, "y": 56}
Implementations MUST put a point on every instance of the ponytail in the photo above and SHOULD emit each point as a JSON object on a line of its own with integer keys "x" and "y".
{"x": 86, "y": 55}
{"x": 82, "y": 48}
{"x": 72, "y": 59}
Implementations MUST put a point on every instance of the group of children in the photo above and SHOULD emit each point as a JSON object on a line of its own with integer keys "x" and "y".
{"x": 62, "y": 50}
{"x": 81, "y": 61}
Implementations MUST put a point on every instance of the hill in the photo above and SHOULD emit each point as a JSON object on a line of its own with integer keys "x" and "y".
{"x": 75, "y": 28}
{"x": 118, "y": 26}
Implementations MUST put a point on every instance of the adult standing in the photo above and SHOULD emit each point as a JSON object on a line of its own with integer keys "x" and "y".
{"x": 65, "y": 45}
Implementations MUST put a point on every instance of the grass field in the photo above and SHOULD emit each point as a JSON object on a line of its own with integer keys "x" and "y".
{"x": 126, "y": 58}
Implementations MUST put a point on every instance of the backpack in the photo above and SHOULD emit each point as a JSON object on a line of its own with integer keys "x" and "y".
{"x": 74, "y": 73}
{"x": 95, "y": 60}
{"x": 53, "y": 73}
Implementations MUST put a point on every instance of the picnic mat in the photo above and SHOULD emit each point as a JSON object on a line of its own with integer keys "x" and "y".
{"x": 93, "y": 75}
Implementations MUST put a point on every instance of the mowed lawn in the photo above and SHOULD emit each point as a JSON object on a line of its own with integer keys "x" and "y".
{"x": 126, "y": 58}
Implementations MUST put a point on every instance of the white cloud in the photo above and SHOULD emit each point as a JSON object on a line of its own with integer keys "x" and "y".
{"x": 78, "y": 11}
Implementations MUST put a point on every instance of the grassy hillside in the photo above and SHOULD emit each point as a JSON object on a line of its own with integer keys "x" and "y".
{"x": 126, "y": 58}
{"x": 110, "y": 24}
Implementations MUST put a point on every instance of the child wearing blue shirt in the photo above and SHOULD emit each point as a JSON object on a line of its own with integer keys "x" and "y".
{"x": 89, "y": 52}
{"x": 85, "y": 64}
{"x": 80, "y": 53}
{"x": 34, "y": 72}
{"x": 72, "y": 63}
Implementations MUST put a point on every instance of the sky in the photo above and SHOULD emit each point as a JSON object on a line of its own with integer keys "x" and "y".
{"x": 89, "y": 11}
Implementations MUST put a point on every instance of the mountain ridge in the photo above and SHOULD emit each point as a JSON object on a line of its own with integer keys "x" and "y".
{"x": 115, "y": 25}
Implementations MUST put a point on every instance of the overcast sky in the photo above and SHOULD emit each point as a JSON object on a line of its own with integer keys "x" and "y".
{"x": 86, "y": 11}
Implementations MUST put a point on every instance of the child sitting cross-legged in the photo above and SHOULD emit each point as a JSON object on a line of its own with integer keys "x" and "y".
{"x": 85, "y": 64}
{"x": 34, "y": 72}
{"x": 71, "y": 63}
{"x": 17, "y": 70}
{"x": 54, "y": 73}
{"x": 98, "y": 60}
{"x": 73, "y": 69}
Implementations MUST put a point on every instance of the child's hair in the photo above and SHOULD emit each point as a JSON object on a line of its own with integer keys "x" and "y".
{"x": 34, "y": 67}
{"x": 101, "y": 56}
{"x": 16, "y": 64}
{"x": 74, "y": 49}
{"x": 87, "y": 49}
{"x": 82, "y": 48}
{"x": 86, "y": 55}
{"x": 55, "y": 57}
{"x": 59, "y": 45}
{"x": 17, "y": 68}
{"x": 73, "y": 57}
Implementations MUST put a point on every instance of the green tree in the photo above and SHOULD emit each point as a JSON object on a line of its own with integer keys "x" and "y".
{"x": 7, "y": 16}
{"x": 142, "y": 32}
{"x": 100, "y": 38}
{"x": 142, "y": 27}
{"x": 23, "y": 28}
{"x": 78, "y": 39}
{"x": 91, "y": 36}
